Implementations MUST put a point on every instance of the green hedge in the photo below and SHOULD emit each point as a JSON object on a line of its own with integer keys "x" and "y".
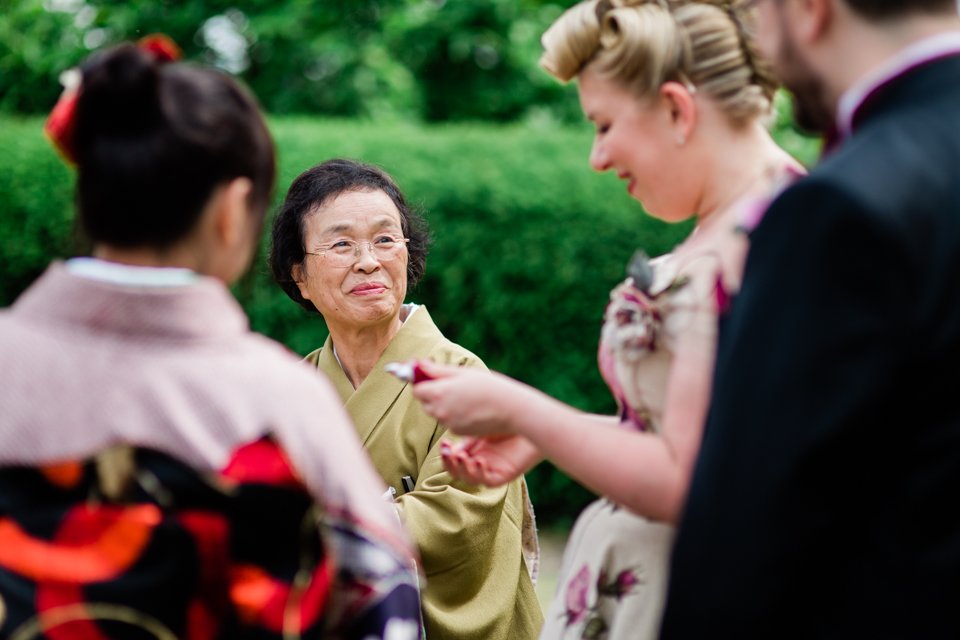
{"x": 527, "y": 243}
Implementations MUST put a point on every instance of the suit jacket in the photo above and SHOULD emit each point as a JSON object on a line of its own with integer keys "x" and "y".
{"x": 825, "y": 499}
{"x": 469, "y": 537}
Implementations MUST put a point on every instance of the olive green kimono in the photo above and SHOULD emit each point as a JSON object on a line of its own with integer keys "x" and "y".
{"x": 470, "y": 538}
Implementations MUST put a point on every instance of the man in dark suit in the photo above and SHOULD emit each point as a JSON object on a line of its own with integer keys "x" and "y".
{"x": 826, "y": 499}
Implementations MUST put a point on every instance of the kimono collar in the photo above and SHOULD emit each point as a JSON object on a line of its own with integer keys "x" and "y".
{"x": 135, "y": 276}
{"x": 406, "y": 310}
{"x": 367, "y": 403}
{"x": 204, "y": 309}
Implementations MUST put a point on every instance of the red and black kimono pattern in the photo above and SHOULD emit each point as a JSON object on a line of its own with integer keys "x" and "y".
{"x": 134, "y": 544}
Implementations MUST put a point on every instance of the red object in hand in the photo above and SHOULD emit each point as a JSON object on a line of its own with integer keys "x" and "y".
{"x": 408, "y": 371}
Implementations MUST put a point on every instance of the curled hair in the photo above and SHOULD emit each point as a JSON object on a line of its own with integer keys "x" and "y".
{"x": 641, "y": 44}
{"x": 321, "y": 184}
{"x": 153, "y": 141}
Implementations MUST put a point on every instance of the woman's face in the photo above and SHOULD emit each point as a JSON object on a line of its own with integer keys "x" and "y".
{"x": 639, "y": 140}
{"x": 370, "y": 290}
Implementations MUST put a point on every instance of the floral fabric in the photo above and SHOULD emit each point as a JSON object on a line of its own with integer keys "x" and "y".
{"x": 613, "y": 572}
{"x": 202, "y": 523}
{"x": 613, "y": 579}
{"x": 132, "y": 543}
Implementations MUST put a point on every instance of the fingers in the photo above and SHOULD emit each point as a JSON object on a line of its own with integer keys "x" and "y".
{"x": 453, "y": 462}
{"x": 469, "y": 445}
{"x": 461, "y": 465}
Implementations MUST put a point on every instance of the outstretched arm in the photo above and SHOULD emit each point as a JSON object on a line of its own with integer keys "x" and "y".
{"x": 647, "y": 473}
{"x": 495, "y": 460}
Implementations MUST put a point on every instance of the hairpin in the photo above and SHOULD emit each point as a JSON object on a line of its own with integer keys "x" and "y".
{"x": 60, "y": 123}
{"x": 162, "y": 46}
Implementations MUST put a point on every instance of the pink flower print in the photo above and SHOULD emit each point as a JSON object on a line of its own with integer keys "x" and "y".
{"x": 626, "y": 581}
{"x": 621, "y": 586}
{"x": 576, "y": 595}
{"x": 631, "y": 324}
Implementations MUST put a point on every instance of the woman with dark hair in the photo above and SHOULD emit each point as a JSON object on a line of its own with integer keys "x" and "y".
{"x": 347, "y": 245}
{"x": 164, "y": 472}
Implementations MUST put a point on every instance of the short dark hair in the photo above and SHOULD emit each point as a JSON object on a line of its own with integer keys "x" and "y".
{"x": 323, "y": 183}
{"x": 885, "y": 9}
{"x": 153, "y": 140}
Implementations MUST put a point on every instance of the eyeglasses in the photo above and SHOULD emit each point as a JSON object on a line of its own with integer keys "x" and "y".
{"x": 749, "y": 4}
{"x": 345, "y": 253}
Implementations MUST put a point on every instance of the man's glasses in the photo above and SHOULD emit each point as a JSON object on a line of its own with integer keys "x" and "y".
{"x": 345, "y": 253}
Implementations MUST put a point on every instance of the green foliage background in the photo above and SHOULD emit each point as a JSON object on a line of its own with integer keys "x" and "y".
{"x": 527, "y": 243}
{"x": 431, "y": 60}
{"x": 444, "y": 94}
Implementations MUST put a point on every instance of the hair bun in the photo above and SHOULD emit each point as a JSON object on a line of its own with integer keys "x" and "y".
{"x": 119, "y": 95}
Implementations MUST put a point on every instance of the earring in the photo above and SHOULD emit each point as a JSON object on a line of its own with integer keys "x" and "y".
{"x": 681, "y": 140}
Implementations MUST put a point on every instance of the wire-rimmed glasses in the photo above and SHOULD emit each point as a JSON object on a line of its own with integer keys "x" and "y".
{"x": 747, "y": 5}
{"x": 345, "y": 253}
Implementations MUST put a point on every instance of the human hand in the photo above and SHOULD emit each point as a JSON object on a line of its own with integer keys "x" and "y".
{"x": 490, "y": 461}
{"x": 470, "y": 402}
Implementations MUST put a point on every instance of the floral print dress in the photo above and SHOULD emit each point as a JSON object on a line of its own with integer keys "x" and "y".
{"x": 613, "y": 577}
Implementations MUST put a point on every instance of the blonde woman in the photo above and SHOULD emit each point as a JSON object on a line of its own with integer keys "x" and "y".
{"x": 679, "y": 100}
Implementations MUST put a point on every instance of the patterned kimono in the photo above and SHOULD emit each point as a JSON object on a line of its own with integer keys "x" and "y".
{"x": 472, "y": 540}
{"x": 165, "y": 473}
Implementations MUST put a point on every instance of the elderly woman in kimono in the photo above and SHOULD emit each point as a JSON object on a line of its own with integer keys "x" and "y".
{"x": 346, "y": 245}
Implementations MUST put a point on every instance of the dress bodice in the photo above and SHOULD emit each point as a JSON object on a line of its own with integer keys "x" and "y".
{"x": 642, "y": 327}
{"x": 681, "y": 293}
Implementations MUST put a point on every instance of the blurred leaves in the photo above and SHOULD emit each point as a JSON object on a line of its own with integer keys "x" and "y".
{"x": 432, "y": 60}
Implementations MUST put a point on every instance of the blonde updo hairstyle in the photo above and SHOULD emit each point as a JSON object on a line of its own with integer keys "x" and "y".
{"x": 641, "y": 44}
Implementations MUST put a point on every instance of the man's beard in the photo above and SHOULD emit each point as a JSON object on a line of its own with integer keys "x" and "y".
{"x": 810, "y": 110}
{"x": 813, "y": 111}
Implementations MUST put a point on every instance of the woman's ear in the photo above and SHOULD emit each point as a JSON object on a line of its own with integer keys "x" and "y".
{"x": 812, "y": 20}
{"x": 679, "y": 101}
{"x": 232, "y": 222}
{"x": 299, "y": 278}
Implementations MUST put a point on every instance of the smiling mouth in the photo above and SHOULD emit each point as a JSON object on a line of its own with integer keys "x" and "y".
{"x": 368, "y": 289}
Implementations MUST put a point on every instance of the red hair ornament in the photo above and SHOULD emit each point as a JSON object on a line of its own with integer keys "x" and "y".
{"x": 60, "y": 123}
{"x": 163, "y": 48}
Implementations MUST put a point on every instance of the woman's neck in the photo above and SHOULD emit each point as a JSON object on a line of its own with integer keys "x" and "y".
{"x": 359, "y": 348}
{"x": 762, "y": 164}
